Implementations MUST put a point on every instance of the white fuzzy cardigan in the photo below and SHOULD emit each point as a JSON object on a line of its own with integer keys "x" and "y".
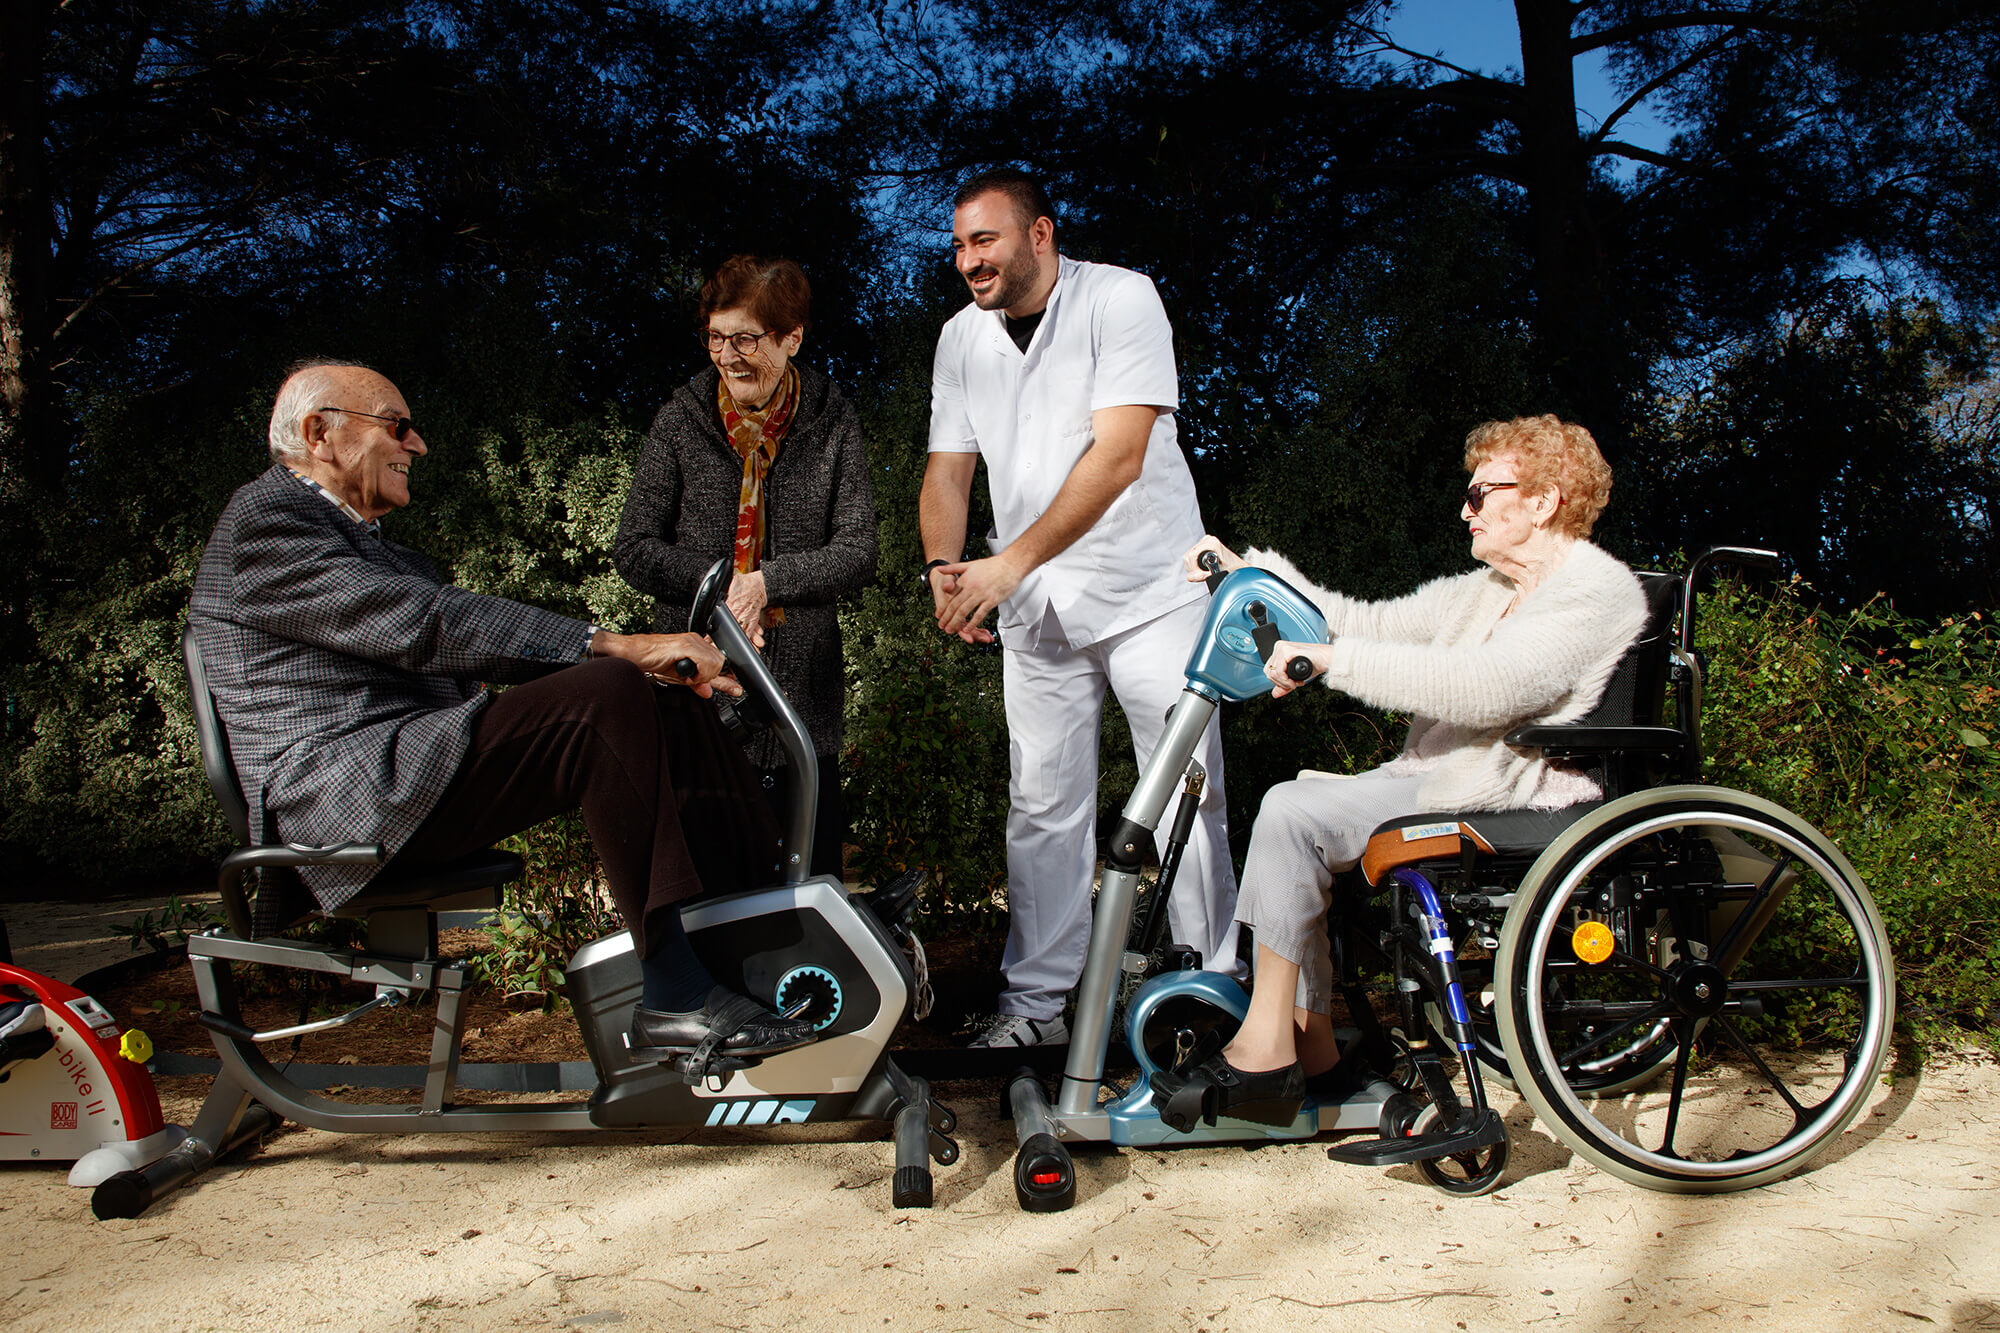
{"x": 1469, "y": 676}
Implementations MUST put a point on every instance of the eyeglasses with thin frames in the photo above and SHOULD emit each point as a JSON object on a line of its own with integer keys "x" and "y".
{"x": 744, "y": 343}
{"x": 400, "y": 427}
{"x": 1475, "y": 494}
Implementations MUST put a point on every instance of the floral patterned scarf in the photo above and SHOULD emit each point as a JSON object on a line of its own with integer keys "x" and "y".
{"x": 756, "y": 436}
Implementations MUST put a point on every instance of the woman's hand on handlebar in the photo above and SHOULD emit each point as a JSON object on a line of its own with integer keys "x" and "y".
{"x": 1318, "y": 656}
{"x": 746, "y": 601}
{"x": 664, "y": 657}
{"x": 1191, "y": 562}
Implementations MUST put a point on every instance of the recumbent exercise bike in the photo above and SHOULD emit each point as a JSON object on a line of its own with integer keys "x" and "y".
{"x": 804, "y": 946}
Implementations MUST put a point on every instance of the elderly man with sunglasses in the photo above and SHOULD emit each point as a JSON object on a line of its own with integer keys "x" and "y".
{"x": 348, "y": 679}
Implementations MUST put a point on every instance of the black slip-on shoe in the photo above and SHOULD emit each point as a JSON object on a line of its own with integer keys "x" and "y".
{"x": 727, "y": 1022}
{"x": 1213, "y": 1087}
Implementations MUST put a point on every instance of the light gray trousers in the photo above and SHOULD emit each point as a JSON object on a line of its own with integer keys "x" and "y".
{"x": 1308, "y": 831}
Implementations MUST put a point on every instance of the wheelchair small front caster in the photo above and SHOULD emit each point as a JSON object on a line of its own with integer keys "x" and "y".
{"x": 1399, "y": 1116}
{"x": 1474, "y": 1172}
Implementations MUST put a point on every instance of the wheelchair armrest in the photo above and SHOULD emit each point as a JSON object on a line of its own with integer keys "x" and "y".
{"x": 1559, "y": 740}
{"x": 229, "y": 880}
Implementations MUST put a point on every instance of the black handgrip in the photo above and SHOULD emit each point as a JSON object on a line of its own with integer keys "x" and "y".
{"x": 686, "y": 669}
{"x": 228, "y": 1027}
{"x": 1300, "y": 668}
{"x": 1750, "y": 557}
{"x": 1211, "y": 562}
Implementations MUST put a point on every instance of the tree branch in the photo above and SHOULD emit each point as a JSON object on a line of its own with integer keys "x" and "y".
{"x": 1658, "y": 82}
{"x": 1750, "y": 20}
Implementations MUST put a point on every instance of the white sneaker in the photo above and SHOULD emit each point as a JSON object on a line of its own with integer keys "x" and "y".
{"x": 1017, "y": 1030}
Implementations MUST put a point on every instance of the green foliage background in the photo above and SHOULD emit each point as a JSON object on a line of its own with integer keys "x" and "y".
{"x": 1875, "y": 727}
{"x": 1880, "y": 730}
{"x": 1357, "y": 260}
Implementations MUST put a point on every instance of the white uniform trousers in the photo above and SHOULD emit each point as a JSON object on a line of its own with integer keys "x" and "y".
{"x": 1055, "y": 703}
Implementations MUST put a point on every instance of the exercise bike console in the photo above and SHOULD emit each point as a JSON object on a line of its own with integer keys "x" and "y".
{"x": 1251, "y": 611}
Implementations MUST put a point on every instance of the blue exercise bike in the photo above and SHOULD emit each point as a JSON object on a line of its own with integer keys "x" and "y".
{"x": 1689, "y": 985}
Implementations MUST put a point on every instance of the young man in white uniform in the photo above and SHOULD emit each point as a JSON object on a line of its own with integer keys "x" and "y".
{"x": 1061, "y": 374}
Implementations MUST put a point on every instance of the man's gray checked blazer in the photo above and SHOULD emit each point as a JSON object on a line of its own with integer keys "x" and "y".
{"x": 346, "y": 672}
{"x": 819, "y": 535}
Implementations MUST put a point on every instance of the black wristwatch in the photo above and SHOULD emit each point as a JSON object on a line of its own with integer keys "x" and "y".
{"x": 924, "y": 575}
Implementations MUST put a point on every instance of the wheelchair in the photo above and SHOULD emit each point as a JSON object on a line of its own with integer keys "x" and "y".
{"x": 1689, "y": 985}
{"x": 804, "y": 946}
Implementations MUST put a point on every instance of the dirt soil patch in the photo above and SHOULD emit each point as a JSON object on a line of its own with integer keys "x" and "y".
{"x": 1897, "y": 1225}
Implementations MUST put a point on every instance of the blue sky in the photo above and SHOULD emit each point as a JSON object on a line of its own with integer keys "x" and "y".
{"x": 1481, "y": 35}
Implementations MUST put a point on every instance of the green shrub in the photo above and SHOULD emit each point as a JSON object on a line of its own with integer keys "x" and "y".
{"x": 558, "y": 905}
{"x": 1879, "y": 731}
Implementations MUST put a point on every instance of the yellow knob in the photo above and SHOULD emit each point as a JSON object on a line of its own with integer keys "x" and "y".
{"x": 135, "y": 1046}
{"x": 1592, "y": 941}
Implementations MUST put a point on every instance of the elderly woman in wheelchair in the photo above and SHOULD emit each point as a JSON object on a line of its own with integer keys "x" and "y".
{"x": 1535, "y": 636}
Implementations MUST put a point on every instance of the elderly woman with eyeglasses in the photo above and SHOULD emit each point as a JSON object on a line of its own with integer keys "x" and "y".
{"x": 761, "y": 458}
{"x": 1533, "y": 637}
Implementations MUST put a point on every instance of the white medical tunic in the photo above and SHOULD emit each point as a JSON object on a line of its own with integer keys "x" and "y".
{"x": 1104, "y": 341}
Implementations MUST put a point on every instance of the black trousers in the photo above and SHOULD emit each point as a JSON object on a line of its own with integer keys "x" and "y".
{"x": 671, "y": 802}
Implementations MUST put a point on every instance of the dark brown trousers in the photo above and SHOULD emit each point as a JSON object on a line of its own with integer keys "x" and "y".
{"x": 671, "y": 802}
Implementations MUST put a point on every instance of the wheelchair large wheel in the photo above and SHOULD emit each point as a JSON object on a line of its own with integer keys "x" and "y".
{"x": 1717, "y": 933}
{"x": 1644, "y": 1055}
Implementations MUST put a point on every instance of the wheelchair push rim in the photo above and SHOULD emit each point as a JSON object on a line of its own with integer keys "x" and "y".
{"x": 1743, "y": 928}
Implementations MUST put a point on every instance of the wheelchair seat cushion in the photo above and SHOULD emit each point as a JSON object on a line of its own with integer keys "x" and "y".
{"x": 1430, "y": 837}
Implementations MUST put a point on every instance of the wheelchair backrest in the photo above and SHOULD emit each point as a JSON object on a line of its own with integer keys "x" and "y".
{"x": 1636, "y": 695}
{"x": 216, "y": 761}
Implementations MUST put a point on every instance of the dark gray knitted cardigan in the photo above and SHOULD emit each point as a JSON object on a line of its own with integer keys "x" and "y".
{"x": 819, "y": 535}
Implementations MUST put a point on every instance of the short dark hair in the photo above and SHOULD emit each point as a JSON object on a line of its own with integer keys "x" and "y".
{"x": 1030, "y": 200}
{"x": 772, "y": 288}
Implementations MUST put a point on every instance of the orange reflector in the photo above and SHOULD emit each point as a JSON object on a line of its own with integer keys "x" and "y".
{"x": 1047, "y": 1178}
{"x": 1592, "y": 941}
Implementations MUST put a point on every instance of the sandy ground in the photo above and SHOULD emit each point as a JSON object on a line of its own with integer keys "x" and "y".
{"x": 1897, "y": 1227}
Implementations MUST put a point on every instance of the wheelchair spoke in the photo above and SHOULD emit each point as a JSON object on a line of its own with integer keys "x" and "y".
{"x": 1770, "y": 1075}
{"x": 1569, "y": 1059}
{"x": 1684, "y": 1039}
{"x": 1639, "y": 964}
{"x": 1800, "y": 983}
{"x": 1750, "y": 909}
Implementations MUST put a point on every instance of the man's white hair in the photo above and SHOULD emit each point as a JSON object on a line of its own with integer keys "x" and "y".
{"x": 309, "y": 385}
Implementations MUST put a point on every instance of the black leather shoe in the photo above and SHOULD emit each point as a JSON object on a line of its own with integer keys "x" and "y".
{"x": 727, "y": 1022}
{"x": 1214, "y": 1087}
{"x": 1343, "y": 1080}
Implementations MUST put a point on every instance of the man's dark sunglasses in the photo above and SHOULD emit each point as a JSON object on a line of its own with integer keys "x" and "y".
{"x": 1475, "y": 495}
{"x": 400, "y": 427}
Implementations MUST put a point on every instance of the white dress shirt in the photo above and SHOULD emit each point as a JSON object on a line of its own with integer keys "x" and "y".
{"x": 1104, "y": 341}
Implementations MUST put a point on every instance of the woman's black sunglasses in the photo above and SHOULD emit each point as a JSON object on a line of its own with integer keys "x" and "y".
{"x": 1475, "y": 494}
